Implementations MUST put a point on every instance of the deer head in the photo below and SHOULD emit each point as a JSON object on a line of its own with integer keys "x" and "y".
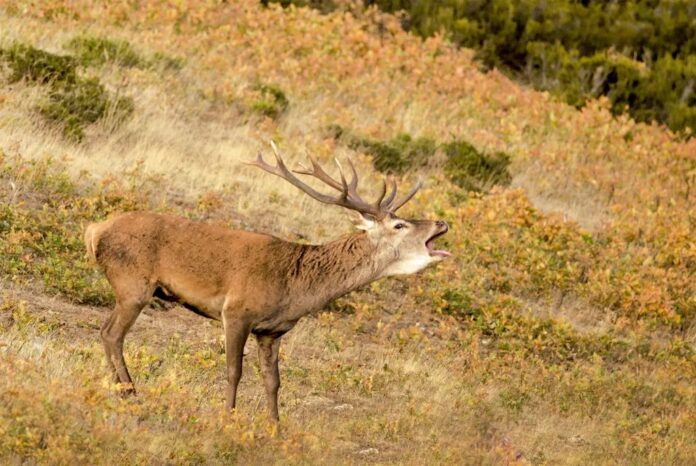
{"x": 404, "y": 246}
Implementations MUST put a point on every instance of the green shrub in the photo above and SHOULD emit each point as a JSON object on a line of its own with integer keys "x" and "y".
{"x": 73, "y": 107}
{"x": 37, "y": 66}
{"x": 465, "y": 166}
{"x": 95, "y": 51}
{"x": 72, "y": 102}
{"x": 272, "y": 101}
{"x": 475, "y": 171}
{"x": 399, "y": 154}
{"x": 459, "y": 304}
{"x": 638, "y": 54}
{"x": 324, "y": 6}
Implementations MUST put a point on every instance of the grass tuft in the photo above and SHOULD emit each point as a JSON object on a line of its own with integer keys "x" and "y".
{"x": 166, "y": 62}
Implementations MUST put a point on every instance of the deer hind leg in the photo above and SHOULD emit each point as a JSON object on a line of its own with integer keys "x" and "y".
{"x": 114, "y": 330}
{"x": 268, "y": 359}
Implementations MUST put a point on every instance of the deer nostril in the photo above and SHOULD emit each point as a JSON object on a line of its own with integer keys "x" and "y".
{"x": 442, "y": 224}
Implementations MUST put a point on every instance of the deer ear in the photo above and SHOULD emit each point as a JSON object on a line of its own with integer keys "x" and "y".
{"x": 361, "y": 222}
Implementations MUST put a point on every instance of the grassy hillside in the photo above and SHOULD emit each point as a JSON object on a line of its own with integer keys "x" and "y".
{"x": 561, "y": 332}
{"x": 639, "y": 54}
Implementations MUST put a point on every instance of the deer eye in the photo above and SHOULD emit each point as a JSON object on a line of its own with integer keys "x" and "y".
{"x": 399, "y": 226}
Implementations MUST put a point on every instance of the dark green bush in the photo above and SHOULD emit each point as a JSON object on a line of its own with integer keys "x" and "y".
{"x": 465, "y": 166}
{"x": 638, "y": 53}
{"x": 75, "y": 106}
{"x": 459, "y": 304}
{"x": 95, "y": 51}
{"x": 37, "y": 66}
{"x": 397, "y": 155}
{"x": 324, "y": 6}
{"x": 473, "y": 170}
{"x": 272, "y": 101}
{"x": 72, "y": 102}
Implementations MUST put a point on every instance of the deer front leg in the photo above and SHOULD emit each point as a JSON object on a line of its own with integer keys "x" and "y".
{"x": 268, "y": 359}
{"x": 236, "y": 333}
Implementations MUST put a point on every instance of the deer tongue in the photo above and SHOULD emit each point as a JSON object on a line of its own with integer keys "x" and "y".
{"x": 436, "y": 252}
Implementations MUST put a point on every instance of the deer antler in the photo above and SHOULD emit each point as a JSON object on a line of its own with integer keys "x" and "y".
{"x": 349, "y": 197}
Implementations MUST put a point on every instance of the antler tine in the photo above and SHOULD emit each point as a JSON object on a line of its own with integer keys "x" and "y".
{"x": 343, "y": 177}
{"x": 277, "y": 155}
{"x": 348, "y": 198}
{"x": 320, "y": 174}
{"x": 408, "y": 196}
{"x": 387, "y": 203}
{"x": 261, "y": 163}
{"x": 382, "y": 193}
{"x": 282, "y": 171}
{"x": 353, "y": 185}
{"x": 303, "y": 169}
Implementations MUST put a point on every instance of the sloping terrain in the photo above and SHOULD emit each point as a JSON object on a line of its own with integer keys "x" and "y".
{"x": 561, "y": 332}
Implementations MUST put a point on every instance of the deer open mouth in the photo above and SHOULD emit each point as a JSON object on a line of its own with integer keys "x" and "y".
{"x": 430, "y": 244}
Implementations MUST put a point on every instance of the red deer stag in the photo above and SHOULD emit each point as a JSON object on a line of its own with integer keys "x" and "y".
{"x": 254, "y": 283}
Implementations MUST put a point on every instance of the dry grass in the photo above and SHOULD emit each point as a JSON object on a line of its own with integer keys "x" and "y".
{"x": 334, "y": 390}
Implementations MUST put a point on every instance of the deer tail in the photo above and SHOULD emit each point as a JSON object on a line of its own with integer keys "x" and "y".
{"x": 92, "y": 234}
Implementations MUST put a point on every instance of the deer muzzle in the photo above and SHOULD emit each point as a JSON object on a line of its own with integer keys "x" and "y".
{"x": 442, "y": 228}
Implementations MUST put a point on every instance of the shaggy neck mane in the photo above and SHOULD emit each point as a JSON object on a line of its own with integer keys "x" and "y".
{"x": 337, "y": 267}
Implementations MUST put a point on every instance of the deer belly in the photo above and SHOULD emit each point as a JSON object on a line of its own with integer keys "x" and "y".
{"x": 205, "y": 306}
{"x": 273, "y": 327}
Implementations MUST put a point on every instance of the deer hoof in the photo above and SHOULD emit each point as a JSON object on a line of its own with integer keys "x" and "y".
{"x": 126, "y": 390}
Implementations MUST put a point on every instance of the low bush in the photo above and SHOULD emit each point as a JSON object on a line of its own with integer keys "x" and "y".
{"x": 73, "y": 102}
{"x": 38, "y": 66}
{"x": 324, "y": 6}
{"x": 510, "y": 329}
{"x": 75, "y": 106}
{"x": 397, "y": 155}
{"x": 466, "y": 167}
{"x": 95, "y": 51}
{"x": 473, "y": 170}
{"x": 271, "y": 102}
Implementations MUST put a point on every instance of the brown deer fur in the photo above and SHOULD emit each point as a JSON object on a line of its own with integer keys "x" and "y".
{"x": 254, "y": 283}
